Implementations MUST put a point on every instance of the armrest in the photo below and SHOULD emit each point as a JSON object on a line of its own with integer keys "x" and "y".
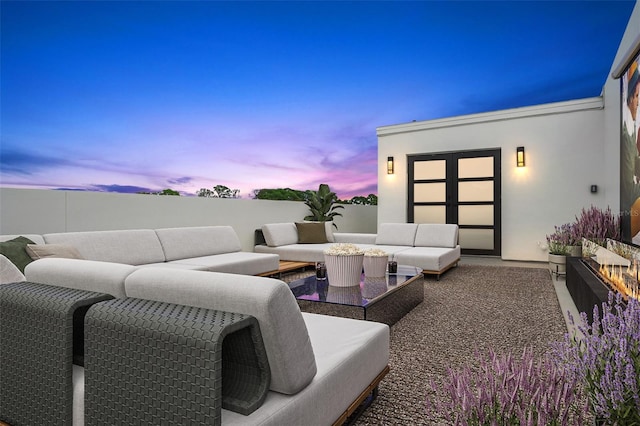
{"x": 38, "y": 323}
{"x": 171, "y": 360}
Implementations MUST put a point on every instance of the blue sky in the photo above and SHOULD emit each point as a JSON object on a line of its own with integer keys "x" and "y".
{"x": 142, "y": 95}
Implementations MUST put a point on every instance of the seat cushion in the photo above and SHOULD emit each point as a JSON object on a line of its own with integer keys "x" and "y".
{"x": 270, "y": 301}
{"x": 428, "y": 258}
{"x": 233, "y": 263}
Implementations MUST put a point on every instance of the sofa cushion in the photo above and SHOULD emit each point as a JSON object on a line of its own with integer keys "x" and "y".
{"x": 239, "y": 262}
{"x": 131, "y": 247}
{"x": 103, "y": 277}
{"x": 396, "y": 234}
{"x": 428, "y": 258}
{"x": 15, "y": 251}
{"x": 184, "y": 243}
{"x": 311, "y": 232}
{"x": 289, "y": 350}
{"x": 36, "y": 238}
{"x": 280, "y": 234}
{"x": 436, "y": 235}
{"x": 9, "y": 273}
{"x": 40, "y": 251}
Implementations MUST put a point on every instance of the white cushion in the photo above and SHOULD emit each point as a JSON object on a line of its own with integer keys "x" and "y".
{"x": 132, "y": 247}
{"x": 183, "y": 243}
{"x": 396, "y": 234}
{"x": 428, "y": 258}
{"x": 280, "y": 234}
{"x": 436, "y": 235}
{"x": 239, "y": 262}
{"x": 104, "y": 277}
{"x": 270, "y": 301}
{"x": 350, "y": 355}
{"x": 9, "y": 273}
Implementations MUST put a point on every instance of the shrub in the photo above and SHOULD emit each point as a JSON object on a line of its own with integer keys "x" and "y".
{"x": 597, "y": 225}
{"x": 607, "y": 360}
{"x": 509, "y": 391}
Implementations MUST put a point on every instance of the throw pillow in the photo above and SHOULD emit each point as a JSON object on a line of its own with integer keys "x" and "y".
{"x": 15, "y": 251}
{"x": 40, "y": 251}
{"x": 311, "y": 233}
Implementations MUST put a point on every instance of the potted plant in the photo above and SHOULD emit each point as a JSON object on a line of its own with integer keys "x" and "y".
{"x": 597, "y": 225}
{"x": 322, "y": 205}
{"x": 558, "y": 244}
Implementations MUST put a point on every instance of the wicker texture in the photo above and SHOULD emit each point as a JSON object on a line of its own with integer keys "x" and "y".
{"x": 158, "y": 363}
{"x": 36, "y": 351}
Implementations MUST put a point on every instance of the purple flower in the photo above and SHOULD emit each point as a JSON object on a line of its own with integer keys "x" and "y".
{"x": 607, "y": 359}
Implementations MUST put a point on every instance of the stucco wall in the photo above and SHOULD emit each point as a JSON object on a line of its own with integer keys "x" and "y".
{"x": 569, "y": 147}
{"x": 43, "y": 211}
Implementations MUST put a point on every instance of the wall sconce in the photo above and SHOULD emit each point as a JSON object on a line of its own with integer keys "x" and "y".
{"x": 389, "y": 165}
{"x": 520, "y": 156}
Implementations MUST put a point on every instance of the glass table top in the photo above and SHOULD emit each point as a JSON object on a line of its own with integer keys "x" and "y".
{"x": 369, "y": 290}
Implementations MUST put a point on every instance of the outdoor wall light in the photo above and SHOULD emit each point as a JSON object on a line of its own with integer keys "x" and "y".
{"x": 389, "y": 165}
{"x": 520, "y": 156}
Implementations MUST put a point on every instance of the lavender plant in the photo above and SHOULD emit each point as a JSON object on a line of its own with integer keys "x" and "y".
{"x": 561, "y": 239}
{"x": 607, "y": 360}
{"x": 508, "y": 391}
{"x": 597, "y": 225}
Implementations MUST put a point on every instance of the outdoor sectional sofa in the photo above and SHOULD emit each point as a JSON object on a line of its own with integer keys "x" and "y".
{"x": 432, "y": 247}
{"x": 205, "y": 248}
{"x": 320, "y": 367}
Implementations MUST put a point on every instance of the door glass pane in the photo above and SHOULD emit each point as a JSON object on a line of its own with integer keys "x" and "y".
{"x": 475, "y": 215}
{"x": 429, "y": 192}
{"x": 432, "y": 169}
{"x": 475, "y": 167}
{"x": 476, "y": 239}
{"x": 475, "y": 191}
{"x": 429, "y": 214}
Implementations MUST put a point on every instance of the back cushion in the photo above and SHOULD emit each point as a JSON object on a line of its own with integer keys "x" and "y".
{"x": 396, "y": 234}
{"x": 280, "y": 234}
{"x": 270, "y": 301}
{"x": 437, "y": 235}
{"x": 132, "y": 247}
{"x": 183, "y": 243}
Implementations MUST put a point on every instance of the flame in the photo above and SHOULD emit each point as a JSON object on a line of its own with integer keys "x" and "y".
{"x": 623, "y": 279}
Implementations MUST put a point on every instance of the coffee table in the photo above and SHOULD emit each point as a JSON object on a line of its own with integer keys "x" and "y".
{"x": 384, "y": 299}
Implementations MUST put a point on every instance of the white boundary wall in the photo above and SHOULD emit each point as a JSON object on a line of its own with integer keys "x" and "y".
{"x": 36, "y": 211}
{"x": 569, "y": 147}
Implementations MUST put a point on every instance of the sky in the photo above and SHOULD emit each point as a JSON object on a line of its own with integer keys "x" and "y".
{"x": 129, "y": 96}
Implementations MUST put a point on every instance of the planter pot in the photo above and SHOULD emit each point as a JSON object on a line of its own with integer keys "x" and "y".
{"x": 558, "y": 264}
{"x": 575, "y": 251}
{"x": 375, "y": 266}
{"x": 344, "y": 270}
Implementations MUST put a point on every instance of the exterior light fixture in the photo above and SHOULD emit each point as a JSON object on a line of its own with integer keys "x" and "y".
{"x": 520, "y": 156}
{"x": 389, "y": 165}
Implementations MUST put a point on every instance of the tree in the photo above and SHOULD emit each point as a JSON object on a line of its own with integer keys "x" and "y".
{"x": 218, "y": 191}
{"x": 280, "y": 194}
{"x": 167, "y": 191}
{"x": 322, "y": 205}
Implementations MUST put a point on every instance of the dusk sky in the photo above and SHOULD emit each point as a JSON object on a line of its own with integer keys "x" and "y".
{"x": 141, "y": 95}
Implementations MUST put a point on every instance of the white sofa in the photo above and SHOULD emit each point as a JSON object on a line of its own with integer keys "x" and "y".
{"x": 321, "y": 367}
{"x": 432, "y": 247}
{"x": 204, "y": 248}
